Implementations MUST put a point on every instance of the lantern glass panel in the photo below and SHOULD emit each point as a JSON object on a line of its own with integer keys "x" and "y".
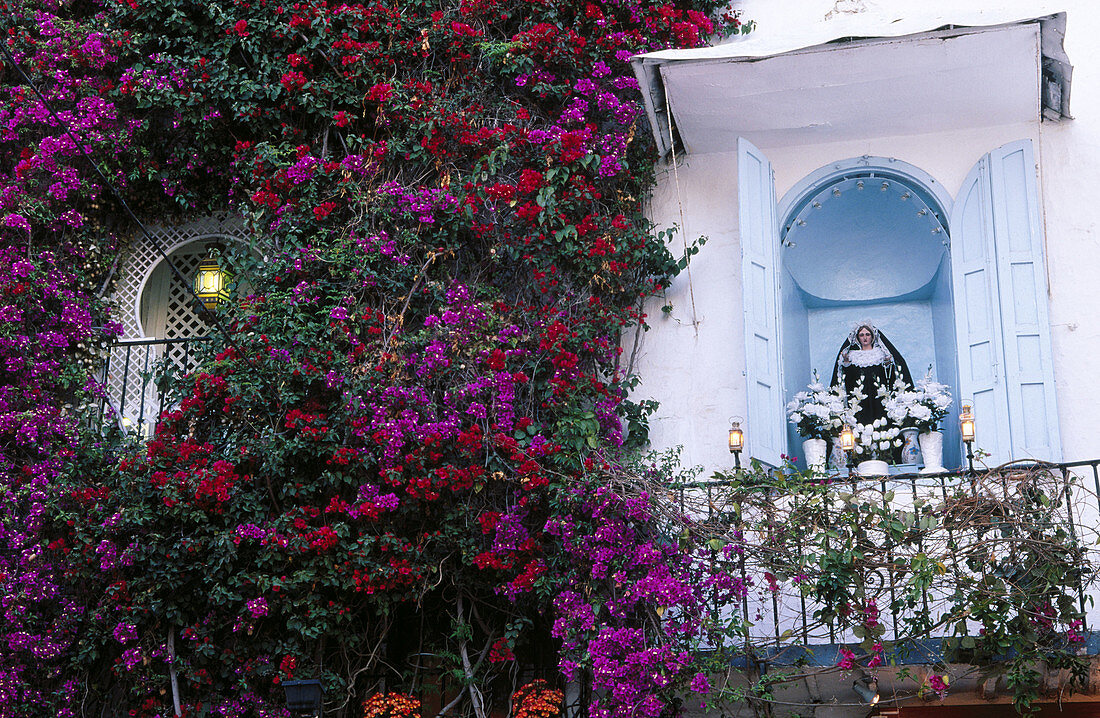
{"x": 737, "y": 439}
{"x": 211, "y": 283}
{"x": 966, "y": 422}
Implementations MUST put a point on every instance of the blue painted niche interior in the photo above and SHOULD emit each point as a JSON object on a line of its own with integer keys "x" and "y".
{"x": 868, "y": 247}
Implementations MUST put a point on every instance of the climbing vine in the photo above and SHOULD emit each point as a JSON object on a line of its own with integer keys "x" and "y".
{"x": 387, "y": 471}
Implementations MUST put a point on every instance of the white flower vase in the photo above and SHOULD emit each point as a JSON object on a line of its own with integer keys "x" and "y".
{"x": 814, "y": 451}
{"x": 873, "y": 467}
{"x": 910, "y": 451}
{"x": 931, "y": 448}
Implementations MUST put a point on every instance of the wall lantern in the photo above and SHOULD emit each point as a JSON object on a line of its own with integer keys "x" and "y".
{"x": 211, "y": 281}
{"x": 966, "y": 428}
{"x": 847, "y": 438}
{"x": 737, "y": 440}
{"x": 867, "y": 690}
{"x": 303, "y": 698}
{"x": 966, "y": 422}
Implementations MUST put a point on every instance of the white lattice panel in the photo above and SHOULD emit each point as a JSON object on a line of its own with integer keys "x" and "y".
{"x": 173, "y": 309}
{"x": 142, "y": 255}
{"x": 154, "y": 304}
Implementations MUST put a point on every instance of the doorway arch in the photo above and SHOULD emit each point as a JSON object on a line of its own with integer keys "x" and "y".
{"x": 862, "y": 239}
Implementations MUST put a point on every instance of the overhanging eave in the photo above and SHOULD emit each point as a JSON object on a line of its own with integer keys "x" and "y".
{"x": 947, "y": 78}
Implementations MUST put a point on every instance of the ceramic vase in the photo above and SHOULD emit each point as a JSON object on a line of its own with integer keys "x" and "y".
{"x": 814, "y": 452}
{"x": 910, "y": 451}
{"x": 837, "y": 460}
{"x": 873, "y": 467}
{"x": 931, "y": 448}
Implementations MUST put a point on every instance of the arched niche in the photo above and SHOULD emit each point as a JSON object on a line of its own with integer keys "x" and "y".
{"x": 866, "y": 239}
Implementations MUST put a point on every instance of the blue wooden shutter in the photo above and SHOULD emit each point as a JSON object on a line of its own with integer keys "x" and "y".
{"x": 1001, "y": 308}
{"x": 977, "y": 306}
{"x": 766, "y": 421}
{"x": 1021, "y": 276}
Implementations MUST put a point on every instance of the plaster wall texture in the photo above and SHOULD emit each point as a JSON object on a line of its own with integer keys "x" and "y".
{"x": 692, "y": 359}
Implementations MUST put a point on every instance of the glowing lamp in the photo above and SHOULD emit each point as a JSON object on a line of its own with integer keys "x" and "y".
{"x": 211, "y": 281}
{"x": 966, "y": 422}
{"x": 966, "y": 428}
{"x": 847, "y": 438}
{"x": 736, "y": 440}
{"x": 737, "y": 436}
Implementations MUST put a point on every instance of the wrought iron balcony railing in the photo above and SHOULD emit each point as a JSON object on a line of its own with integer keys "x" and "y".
{"x": 135, "y": 376}
{"x": 992, "y": 529}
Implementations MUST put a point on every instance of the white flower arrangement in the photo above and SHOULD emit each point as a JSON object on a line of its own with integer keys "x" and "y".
{"x": 820, "y": 412}
{"x": 922, "y": 407}
{"x": 877, "y": 440}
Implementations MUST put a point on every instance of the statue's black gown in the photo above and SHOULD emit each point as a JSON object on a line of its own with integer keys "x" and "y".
{"x": 873, "y": 377}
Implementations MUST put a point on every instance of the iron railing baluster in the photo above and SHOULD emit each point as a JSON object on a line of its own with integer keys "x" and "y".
{"x": 1072, "y": 529}
{"x": 104, "y": 388}
{"x": 890, "y": 561}
{"x": 920, "y": 548}
{"x": 144, "y": 387}
{"x": 148, "y": 379}
{"x": 825, "y": 514}
{"x": 125, "y": 383}
{"x": 771, "y": 540}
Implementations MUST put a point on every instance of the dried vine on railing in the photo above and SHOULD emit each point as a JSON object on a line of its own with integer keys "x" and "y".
{"x": 997, "y": 565}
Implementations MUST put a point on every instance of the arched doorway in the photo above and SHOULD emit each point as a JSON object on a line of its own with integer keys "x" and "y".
{"x": 167, "y": 310}
{"x": 866, "y": 239}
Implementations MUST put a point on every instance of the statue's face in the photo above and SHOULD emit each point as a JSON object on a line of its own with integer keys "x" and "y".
{"x": 865, "y": 338}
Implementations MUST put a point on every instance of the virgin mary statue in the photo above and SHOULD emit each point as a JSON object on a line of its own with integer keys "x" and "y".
{"x": 869, "y": 361}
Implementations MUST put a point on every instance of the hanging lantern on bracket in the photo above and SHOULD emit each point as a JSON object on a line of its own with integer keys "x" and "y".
{"x": 211, "y": 280}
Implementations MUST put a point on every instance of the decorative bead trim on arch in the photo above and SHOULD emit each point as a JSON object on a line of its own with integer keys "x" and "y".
{"x": 866, "y": 167}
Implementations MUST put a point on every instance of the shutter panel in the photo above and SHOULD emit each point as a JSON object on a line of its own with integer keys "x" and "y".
{"x": 977, "y": 324}
{"x": 1021, "y": 276}
{"x": 766, "y": 423}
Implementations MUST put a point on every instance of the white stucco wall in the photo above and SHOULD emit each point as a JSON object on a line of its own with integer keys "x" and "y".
{"x": 692, "y": 359}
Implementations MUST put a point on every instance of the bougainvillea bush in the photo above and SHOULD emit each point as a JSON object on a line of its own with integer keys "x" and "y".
{"x": 400, "y": 465}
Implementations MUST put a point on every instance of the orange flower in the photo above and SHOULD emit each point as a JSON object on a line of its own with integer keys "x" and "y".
{"x": 537, "y": 700}
{"x": 391, "y": 705}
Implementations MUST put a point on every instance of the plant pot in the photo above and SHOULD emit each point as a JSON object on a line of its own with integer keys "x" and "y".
{"x": 303, "y": 696}
{"x": 910, "y": 451}
{"x": 814, "y": 450}
{"x": 931, "y": 448}
{"x": 873, "y": 467}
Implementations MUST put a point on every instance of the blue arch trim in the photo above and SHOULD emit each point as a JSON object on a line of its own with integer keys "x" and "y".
{"x": 886, "y": 167}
